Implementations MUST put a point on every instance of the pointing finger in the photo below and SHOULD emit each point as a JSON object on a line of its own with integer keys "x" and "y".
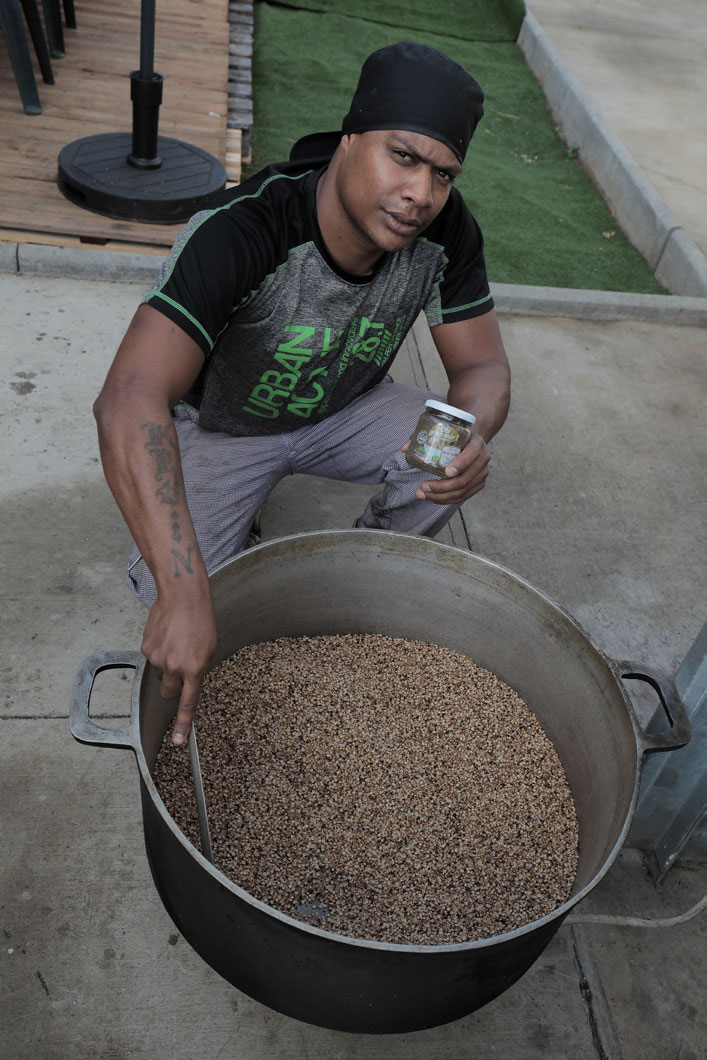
{"x": 187, "y": 710}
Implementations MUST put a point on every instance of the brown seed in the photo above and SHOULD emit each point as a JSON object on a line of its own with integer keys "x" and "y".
{"x": 377, "y": 787}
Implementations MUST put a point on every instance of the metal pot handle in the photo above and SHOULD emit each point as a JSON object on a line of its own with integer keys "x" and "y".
{"x": 84, "y": 728}
{"x": 680, "y": 731}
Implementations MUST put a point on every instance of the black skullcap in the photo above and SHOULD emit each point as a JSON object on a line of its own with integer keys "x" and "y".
{"x": 415, "y": 87}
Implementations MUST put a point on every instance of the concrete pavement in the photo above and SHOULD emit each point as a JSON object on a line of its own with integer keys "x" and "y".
{"x": 667, "y": 246}
{"x": 592, "y": 498}
{"x": 642, "y": 63}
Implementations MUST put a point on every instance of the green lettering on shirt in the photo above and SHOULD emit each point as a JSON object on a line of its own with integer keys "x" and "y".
{"x": 303, "y": 332}
{"x": 366, "y": 340}
{"x": 331, "y": 344}
{"x": 292, "y": 361}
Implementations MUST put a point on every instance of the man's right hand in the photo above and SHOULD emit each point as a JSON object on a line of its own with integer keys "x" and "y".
{"x": 179, "y": 641}
{"x": 156, "y": 364}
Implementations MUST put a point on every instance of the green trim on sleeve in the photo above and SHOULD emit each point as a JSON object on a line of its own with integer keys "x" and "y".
{"x": 469, "y": 305}
{"x": 189, "y": 232}
{"x": 186, "y": 313}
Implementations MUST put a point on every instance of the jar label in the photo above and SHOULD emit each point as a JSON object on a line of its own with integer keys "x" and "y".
{"x": 448, "y": 454}
{"x": 430, "y": 454}
{"x": 444, "y": 432}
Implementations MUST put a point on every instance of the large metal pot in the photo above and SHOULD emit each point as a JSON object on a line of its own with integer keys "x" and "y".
{"x": 378, "y": 582}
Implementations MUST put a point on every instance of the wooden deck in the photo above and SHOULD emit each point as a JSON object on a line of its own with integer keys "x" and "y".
{"x": 92, "y": 95}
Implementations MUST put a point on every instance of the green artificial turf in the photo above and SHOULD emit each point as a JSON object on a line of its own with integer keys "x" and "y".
{"x": 499, "y": 20}
{"x": 543, "y": 221}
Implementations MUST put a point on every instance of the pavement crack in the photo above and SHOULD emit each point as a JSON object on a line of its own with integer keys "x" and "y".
{"x": 42, "y": 981}
{"x": 33, "y": 717}
{"x": 467, "y": 530}
{"x": 586, "y": 992}
{"x": 61, "y": 717}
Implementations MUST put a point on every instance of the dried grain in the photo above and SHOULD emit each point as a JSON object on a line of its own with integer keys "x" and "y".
{"x": 380, "y": 788}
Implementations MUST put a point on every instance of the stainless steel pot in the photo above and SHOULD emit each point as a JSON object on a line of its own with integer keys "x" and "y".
{"x": 378, "y": 582}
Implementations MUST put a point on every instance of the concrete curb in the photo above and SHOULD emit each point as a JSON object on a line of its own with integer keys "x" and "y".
{"x": 8, "y": 257}
{"x": 117, "y": 266}
{"x": 79, "y": 263}
{"x": 673, "y": 257}
{"x": 522, "y": 300}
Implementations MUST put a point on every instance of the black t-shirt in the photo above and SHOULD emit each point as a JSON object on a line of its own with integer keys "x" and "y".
{"x": 289, "y": 338}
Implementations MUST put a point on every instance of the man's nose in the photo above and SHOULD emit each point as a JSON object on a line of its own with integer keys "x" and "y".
{"x": 418, "y": 188}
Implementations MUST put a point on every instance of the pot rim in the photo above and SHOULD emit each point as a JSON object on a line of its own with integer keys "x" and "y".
{"x": 398, "y": 947}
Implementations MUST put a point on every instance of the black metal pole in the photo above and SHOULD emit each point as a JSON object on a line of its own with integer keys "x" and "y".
{"x": 146, "y": 95}
{"x": 147, "y": 39}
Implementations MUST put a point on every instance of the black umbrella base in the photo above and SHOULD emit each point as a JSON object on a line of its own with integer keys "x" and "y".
{"x": 94, "y": 173}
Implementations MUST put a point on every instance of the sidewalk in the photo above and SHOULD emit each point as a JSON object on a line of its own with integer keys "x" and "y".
{"x": 591, "y": 499}
{"x": 643, "y": 63}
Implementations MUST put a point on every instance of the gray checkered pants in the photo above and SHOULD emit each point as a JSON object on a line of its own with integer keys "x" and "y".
{"x": 228, "y": 479}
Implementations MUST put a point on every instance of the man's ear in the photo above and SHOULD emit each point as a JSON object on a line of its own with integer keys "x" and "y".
{"x": 348, "y": 140}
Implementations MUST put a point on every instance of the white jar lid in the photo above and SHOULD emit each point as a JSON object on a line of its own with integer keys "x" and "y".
{"x": 450, "y": 409}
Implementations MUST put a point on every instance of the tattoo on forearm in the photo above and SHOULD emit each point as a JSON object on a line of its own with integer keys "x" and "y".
{"x": 162, "y": 444}
{"x": 179, "y": 557}
{"x": 185, "y": 561}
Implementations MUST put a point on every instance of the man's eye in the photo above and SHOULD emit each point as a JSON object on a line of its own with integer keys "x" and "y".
{"x": 446, "y": 177}
{"x": 403, "y": 154}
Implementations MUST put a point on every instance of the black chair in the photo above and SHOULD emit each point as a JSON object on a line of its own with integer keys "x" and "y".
{"x": 52, "y": 20}
{"x": 55, "y": 30}
{"x": 13, "y": 31}
{"x": 36, "y": 32}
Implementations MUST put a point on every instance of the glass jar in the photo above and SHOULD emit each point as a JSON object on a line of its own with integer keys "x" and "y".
{"x": 442, "y": 432}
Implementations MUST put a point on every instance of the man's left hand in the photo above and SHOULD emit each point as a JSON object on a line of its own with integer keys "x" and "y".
{"x": 465, "y": 476}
